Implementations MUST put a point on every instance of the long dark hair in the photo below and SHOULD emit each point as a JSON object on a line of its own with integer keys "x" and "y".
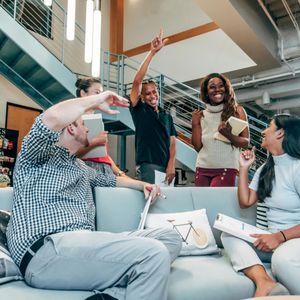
{"x": 230, "y": 103}
{"x": 290, "y": 144}
{"x": 84, "y": 84}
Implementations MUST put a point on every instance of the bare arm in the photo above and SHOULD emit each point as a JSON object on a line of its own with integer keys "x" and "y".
{"x": 242, "y": 140}
{"x": 116, "y": 170}
{"x": 196, "y": 129}
{"x": 125, "y": 181}
{"x": 269, "y": 242}
{"x": 247, "y": 197}
{"x": 292, "y": 233}
{"x": 170, "y": 171}
{"x": 156, "y": 44}
{"x": 64, "y": 113}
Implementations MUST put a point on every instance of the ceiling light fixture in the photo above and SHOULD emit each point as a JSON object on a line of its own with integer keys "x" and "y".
{"x": 71, "y": 20}
{"x": 96, "y": 41}
{"x": 88, "y": 46}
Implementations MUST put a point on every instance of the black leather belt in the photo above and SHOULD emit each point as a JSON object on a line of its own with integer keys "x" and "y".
{"x": 30, "y": 253}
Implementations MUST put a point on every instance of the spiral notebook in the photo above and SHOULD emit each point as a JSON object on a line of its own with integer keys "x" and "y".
{"x": 145, "y": 212}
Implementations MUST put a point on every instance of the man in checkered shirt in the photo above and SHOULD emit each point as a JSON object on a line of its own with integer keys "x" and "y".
{"x": 51, "y": 232}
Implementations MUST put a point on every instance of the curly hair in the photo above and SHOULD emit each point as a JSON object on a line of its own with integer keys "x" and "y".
{"x": 230, "y": 103}
{"x": 84, "y": 84}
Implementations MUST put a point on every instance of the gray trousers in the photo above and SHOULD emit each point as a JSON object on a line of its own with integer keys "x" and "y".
{"x": 101, "y": 167}
{"x": 132, "y": 266}
{"x": 285, "y": 260}
{"x": 146, "y": 172}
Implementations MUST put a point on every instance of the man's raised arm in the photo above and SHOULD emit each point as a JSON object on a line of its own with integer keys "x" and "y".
{"x": 156, "y": 44}
{"x": 64, "y": 113}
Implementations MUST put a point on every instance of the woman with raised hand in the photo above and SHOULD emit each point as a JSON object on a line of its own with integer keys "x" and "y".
{"x": 217, "y": 161}
{"x": 277, "y": 184}
{"x": 105, "y": 164}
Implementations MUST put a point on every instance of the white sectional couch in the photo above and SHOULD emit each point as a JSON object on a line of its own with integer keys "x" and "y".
{"x": 208, "y": 277}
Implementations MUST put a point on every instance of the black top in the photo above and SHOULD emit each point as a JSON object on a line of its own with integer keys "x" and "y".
{"x": 152, "y": 134}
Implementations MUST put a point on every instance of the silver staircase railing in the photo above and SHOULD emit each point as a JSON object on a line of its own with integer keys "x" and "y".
{"x": 48, "y": 26}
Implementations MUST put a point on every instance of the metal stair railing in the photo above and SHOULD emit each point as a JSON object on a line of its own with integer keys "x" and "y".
{"x": 48, "y": 26}
{"x": 177, "y": 98}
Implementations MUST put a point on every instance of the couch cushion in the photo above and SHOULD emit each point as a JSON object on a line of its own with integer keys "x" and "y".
{"x": 178, "y": 199}
{"x": 221, "y": 200}
{"x": 207, "y": 278}
{"x": 118, "y": 209}
{"x": 19, "y": 290}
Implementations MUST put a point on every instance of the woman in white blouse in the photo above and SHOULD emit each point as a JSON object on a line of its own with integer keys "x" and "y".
{"x": 277, "y": 184}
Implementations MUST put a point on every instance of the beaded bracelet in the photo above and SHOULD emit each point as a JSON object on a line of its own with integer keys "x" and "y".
{"x": 283, "y": 235}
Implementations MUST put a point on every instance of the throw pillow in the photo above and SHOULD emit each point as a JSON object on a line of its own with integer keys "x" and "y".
{"x": 8, "y": 269}
{"x": 192, "y": 226}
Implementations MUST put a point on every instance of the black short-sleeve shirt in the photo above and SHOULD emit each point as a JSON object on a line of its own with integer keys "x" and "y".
{"x": 152, "y": 134}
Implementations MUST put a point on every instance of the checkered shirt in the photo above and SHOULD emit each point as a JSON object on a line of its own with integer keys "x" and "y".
{"x": 52, "y": 191}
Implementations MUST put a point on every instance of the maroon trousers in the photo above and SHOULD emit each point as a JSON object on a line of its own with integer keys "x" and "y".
{"x": 215, "y": 177}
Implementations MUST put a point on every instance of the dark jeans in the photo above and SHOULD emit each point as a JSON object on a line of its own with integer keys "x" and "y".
{"x": 145, "y": 172}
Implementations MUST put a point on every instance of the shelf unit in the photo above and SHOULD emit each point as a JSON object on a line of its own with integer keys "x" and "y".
{"x": 8, "y": 154}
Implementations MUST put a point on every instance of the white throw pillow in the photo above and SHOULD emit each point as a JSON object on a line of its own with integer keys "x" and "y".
{"x": 192, "y": 226}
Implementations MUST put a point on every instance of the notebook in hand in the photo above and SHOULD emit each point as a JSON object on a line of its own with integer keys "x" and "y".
{"x": 237, "y": 228}
{"x": 145, "y": 212}
{"x": 95, "y": 125}
{"x": 238, "y": 125}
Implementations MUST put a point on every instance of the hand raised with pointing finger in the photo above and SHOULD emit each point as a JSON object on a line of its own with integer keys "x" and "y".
{"x": 157, "y": 43}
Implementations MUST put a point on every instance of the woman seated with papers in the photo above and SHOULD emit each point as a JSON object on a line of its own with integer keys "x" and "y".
{"x": 277, "y": 183}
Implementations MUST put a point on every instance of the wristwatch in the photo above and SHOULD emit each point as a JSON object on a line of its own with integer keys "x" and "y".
{"x": 120, "y": 173}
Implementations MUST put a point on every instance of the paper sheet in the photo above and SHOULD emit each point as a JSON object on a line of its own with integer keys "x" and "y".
{"x": 160, "y": 179}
